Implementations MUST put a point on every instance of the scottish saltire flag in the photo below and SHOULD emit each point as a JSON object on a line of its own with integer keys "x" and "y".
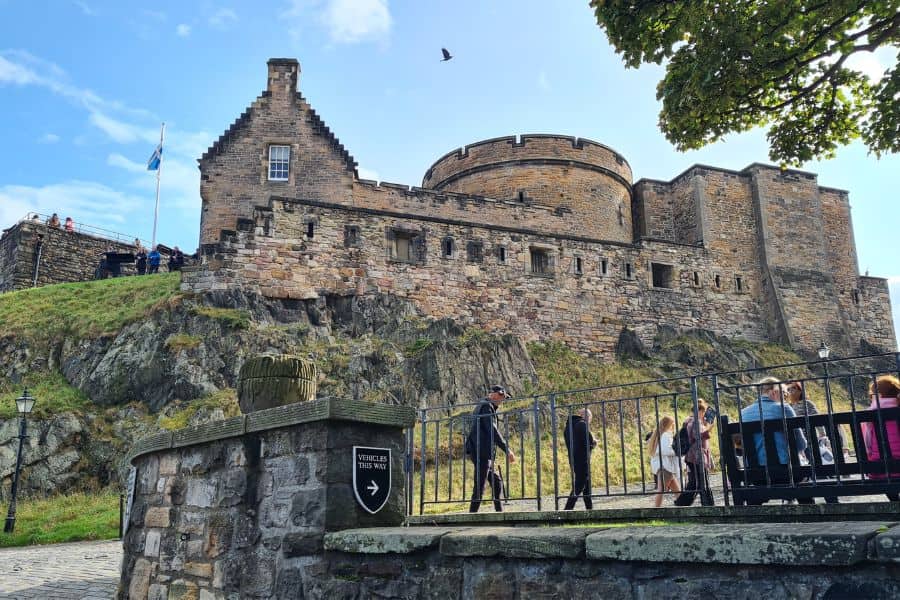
{"x": 153, "y": 163}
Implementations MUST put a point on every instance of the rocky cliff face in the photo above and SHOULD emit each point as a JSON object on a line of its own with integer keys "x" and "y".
{"x": 371, "y": 348}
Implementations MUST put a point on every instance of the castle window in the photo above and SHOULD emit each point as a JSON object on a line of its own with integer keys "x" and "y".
{"x": 406, "y": 246}
{"x": 447, "y": 247}
{"x": 855, "y": 296}
{"x": 474, "y": 251}
{"x": 738, "y": 284}
{"x": 351, "y": 236}
{"x": 629, "y": 271}
{"x": 521, "y": 196}
{"x": 621, "y": 216}
{"x": 661, "y": 275}
{"x": 695, "y": 279}
{"x": 540, "y": 261}
{"x": 579, "y": 266}
{"x": 279, "y": 163}
{"x": 718, "y": 282}
{"x": 604, "y": 267}
{"x": 501, "y": 254}
{"x": 310, "y": 230}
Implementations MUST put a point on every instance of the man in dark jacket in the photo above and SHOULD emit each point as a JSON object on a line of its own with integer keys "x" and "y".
{"x": 579, "y": 443}
{"x": 480, "y": 443}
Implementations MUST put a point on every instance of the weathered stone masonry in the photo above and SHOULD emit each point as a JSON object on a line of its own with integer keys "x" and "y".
{"x": 761, "y": 253}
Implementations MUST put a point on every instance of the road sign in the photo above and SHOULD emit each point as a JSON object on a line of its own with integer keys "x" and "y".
{"x": 371, "y": 477}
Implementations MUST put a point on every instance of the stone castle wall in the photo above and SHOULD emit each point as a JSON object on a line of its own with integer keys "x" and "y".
{"x": 761, "y": 253}
{"x": 64, "y": 256}
{"x": 588, "y": 310}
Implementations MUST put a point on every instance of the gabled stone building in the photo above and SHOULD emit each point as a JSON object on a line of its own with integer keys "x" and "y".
{"x": 546, "y": 236}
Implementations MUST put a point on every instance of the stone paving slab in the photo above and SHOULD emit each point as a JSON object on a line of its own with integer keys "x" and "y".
{"x": 887, "y": 545}
{"x": 762, "y": 543}
{"x": 384, "y": 540}
{"x": 78, "y": 571}
{"x": 517, "y": 542}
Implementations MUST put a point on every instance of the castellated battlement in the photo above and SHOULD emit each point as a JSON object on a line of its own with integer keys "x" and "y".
{"x": 544, "y": 236}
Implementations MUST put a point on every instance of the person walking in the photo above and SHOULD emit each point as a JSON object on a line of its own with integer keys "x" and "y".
{"x": 664, "y": 463}
{"x": 884, "y": 393}
{"x": 482, "y": 439}
{"x": 579, "y": 443}
{"x": 153, "y": 260}
{"x": 698, "y": 460}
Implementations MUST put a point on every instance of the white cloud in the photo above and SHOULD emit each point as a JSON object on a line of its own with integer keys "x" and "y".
{"x": 119, "y": 131}
{"x": 84, "y": 201}
{"x": 48, "y": 138}
{"x": 542, "y": 81}
{"x": 183, "y": 30}
{"x": 347, "y": 21}
{"x": 223, "y": 18}
{"x": 85, "y": 8}
{"x": 365, "y": 173}
{"x": 117, "y": 160}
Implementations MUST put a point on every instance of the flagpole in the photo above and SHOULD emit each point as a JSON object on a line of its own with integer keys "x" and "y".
{"x": 162, "y": 131}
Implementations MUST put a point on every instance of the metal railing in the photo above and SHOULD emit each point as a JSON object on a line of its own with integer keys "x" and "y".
{"x": 84, "y": 228}
{"x": 547, "y": 459}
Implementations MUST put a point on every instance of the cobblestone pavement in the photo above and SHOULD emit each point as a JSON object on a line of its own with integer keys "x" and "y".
{"x": 83, "y": 571}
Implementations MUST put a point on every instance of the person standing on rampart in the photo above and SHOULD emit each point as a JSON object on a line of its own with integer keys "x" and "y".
{"x": 153, "y": 260}
{"x": 482, "y": 439}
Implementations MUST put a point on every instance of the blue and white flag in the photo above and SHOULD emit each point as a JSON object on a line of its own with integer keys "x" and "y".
{"x": 153, "y": 163}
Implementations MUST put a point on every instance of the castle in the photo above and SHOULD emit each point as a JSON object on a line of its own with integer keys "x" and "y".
{"x": 546, "y": 236}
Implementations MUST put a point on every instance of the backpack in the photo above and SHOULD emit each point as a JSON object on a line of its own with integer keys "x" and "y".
{"x": 682, "y": 442}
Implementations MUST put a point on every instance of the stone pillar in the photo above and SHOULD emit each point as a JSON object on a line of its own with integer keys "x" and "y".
{"x": 239, "y": 508}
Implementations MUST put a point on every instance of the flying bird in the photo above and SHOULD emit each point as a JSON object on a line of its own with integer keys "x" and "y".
{"x": 446, "y": 54}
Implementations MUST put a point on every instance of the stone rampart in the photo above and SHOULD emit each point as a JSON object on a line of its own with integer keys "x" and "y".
{"x": 53, "y": 255}
{"x": 776, "y": 561}
{"x": 591, "y": 289}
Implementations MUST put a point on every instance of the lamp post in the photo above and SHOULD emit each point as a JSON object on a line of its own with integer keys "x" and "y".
{"x": 24, "y": 404}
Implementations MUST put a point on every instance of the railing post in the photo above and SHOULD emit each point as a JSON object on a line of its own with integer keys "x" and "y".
{"x": 722, "y": 438}
{"x": 554, "y": 424}
{"x": 408, "y": 464}
{"x": 422, "y": 458}
{"x": 121, "y": 516}
{"x": 537, "y": 448}
{"x": 703, "y": 476}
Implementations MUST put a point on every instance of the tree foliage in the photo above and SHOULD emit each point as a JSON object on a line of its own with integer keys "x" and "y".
{"x": 732, "y": 65}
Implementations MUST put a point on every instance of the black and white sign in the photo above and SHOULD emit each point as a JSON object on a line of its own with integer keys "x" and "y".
{"x": 371, "y": 477}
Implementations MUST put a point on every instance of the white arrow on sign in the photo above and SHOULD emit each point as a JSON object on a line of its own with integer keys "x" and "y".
{"x": 372, "y": 487}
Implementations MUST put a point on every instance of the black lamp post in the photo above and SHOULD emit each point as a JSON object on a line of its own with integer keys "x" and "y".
{"x": 24, "y": 404}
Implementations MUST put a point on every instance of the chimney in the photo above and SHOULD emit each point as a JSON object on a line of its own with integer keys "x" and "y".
{"x": 284, "y": 74}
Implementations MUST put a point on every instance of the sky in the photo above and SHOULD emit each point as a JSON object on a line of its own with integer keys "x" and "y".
{"x": 85, "y": 85}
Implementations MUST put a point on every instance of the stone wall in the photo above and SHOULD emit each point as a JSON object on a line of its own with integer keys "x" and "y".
{"x": 239, "y": 508}
{"x": 64, "y": 256}
{"x": 775, "y": 561}
{"x": 588, "y": 310}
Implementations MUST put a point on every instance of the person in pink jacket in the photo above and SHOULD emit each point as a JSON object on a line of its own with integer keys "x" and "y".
{"x": 888, "y": 389}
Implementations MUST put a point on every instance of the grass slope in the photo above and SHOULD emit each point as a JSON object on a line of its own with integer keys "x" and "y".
{"x": 84, "y": 309}
{"x": 70, "y": 518}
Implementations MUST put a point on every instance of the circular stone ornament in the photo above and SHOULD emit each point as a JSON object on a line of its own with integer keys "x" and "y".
{"x": 275, "y": 380}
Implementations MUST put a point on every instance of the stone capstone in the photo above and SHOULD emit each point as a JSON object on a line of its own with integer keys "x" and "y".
{"x": 383, "y": 540}
{"x": 270, "y": 381}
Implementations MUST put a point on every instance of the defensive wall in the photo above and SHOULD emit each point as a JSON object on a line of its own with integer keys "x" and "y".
{"x": 540, "y": 235}
{"x": 34, "y": 254}
{"x": 262, "y": 506}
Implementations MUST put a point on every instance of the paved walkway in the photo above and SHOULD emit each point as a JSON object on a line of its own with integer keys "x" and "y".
{"x": 82, "y": 571}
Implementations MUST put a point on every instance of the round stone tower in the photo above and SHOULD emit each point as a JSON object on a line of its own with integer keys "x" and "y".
{"x": 590, "y": 181}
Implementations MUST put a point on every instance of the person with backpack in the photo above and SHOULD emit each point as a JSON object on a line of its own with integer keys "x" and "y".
{"x": 664, "y": 463}
{"x": 579, "y": 443}
{"x": 482, "y": 439}
{"x": 696, "y": 456}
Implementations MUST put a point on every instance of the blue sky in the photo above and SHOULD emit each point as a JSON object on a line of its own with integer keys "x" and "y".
{"x": 84, "y": 85}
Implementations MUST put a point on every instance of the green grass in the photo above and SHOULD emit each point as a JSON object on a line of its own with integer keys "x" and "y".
{"x": 225, "y": 399}
{"x": 182, "y": 341}
{"x": 85, "y": 309}
{"x": 230, "y": 317}
{"x": 70, "y": 518}
{"x": 53, "y": 395}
